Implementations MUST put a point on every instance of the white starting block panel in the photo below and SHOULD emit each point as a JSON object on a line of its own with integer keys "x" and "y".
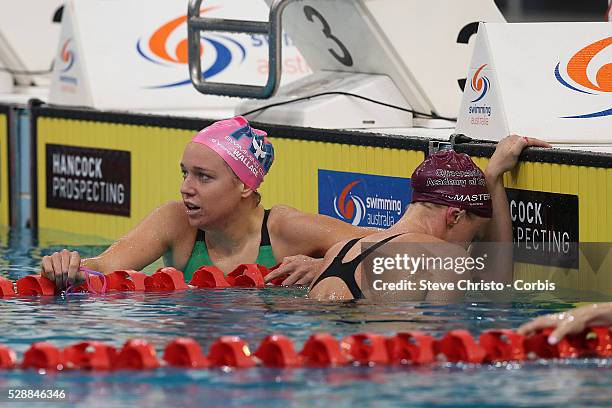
{"x": 422, "y": 46}
{"x": 547, "y": 80}
{"x": 28, "y": 37}
{"x": 336, "y": 111}
{"x": 132, "y": 55}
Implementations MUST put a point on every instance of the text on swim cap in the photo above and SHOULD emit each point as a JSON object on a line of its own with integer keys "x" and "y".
{"x": 469, "y": 197}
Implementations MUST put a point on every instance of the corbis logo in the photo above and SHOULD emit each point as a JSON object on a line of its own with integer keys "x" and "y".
{"x": 350, "y": 207}
{"x": 588, "y": 72}
{"x": 480, "y": 83}
{"x": 67, "y": 56}
{"x": 170, "y": 36}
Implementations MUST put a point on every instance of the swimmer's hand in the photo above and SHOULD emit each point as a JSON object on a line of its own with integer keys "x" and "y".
{"x": 63, "y": 268}
{"x": 570, "y": 322}
{"x": 301, "y": 269}
{"x": 507, "y": 153}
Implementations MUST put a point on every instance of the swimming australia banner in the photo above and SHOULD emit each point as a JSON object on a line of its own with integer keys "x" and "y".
{"x": 363, "y": 199}
{"x": 546, "y": 80}
{"x": 132, "y": 54}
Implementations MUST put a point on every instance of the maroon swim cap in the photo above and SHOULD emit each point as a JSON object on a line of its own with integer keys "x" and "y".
{"x": 452, "y": 179}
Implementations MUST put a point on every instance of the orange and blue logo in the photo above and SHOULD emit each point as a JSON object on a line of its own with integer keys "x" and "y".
{"x": 582, "y": 74}
{"x": 349, "y": 207}
{"x": 67, "y": 56}
{"x": 480, "y": 83}
{"x": 165, "y": 48}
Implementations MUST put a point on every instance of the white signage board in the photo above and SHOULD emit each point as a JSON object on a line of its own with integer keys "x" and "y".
{"x": 28, "y": 37}
{"x": 547, "y": 80}
{"x": 423, "y": 46}
{"x": 131, "y": 55}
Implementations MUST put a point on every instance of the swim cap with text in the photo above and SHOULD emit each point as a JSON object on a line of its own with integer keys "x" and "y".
{"x": 452, "y": 179}
{"x": 246, "y": 150}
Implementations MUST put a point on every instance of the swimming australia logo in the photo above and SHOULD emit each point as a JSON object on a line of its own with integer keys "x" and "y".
{"x": 67, "y": 56}
{"x": 480, "y": 113}
{"x": 480, "y": 83}
{"x": 587, "y": 72}
{"x": 218, "y": 51}
{"x": 350, "y": 207}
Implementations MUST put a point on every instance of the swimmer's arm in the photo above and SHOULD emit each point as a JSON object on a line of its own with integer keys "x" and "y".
{"x": 142, "y": 245}
{"x": 314, "y": 234}
{"x": 504, "y": 159}
{"x": 499, "y": 229}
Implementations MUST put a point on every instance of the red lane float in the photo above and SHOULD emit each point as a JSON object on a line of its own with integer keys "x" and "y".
{"x": 413, "y": 347}
{"x": 248, "y": 276}
{"x": 601, "y": 340}
{"x": 209, "y": 277}
{"x": 138, "y": 279}
{"x": 185, "y": 352}
{"x": 230, "y": 351}
{"x": 136, "y": 355}
{"x": 459, "y": 345}
{"x": 43, "y": 355}
{"x": 35, "y": 285}
{"x": 90, "y": 355}
{"x": 502, "y": 345}
{"x": 277, "y": 351}
{"x": 322, "y": 350}
{"x": 165, "y": 280}
{"x": 536, "y": 345}
{"x": 8, "y": 359}
{"x": 95, "y": 282}
{"x": 365, "y": 348}
{"x": 125, "y": 281}
{"x": 6, "y": 288}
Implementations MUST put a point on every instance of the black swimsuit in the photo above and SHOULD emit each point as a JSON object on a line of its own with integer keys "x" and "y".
{"x": 346, "y": 270}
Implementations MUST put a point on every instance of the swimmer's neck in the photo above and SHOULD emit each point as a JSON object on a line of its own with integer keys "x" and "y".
{"x": 236, "y": 231}
{"x": 420, "y": 220}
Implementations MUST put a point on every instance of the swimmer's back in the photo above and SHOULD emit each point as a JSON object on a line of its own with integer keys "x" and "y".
{"x": 325, "y": 285}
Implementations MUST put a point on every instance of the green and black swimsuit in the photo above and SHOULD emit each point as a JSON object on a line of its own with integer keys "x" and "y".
{"x": 199, "y": 255}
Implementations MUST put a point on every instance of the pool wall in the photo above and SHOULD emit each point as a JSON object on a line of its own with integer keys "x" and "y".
{"x": 573, "y": 189}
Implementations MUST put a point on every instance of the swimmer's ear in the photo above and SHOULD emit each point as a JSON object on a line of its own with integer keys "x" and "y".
{"x": 245, "y": 191}
{"x": 453, "y": 215}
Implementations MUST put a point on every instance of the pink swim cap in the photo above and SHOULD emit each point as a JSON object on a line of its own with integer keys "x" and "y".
{"x": 246, "y": 150}
{"x": 452, "y": 179}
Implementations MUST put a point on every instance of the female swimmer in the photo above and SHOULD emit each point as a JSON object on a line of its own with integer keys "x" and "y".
{"x": 453, "y": 203}
{"x": 220, "y": 220}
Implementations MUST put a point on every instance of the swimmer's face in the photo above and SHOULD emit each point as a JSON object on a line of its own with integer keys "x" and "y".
{"x": 467, "y": 229}
{"x": 210, "y": 190}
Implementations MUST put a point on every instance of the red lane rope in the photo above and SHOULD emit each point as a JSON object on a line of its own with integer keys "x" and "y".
{"x": 163, "y": 280}
{"x": 320, "y": 350}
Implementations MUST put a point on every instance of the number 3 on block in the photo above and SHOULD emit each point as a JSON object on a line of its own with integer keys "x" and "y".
{"x": 345, "y": 58}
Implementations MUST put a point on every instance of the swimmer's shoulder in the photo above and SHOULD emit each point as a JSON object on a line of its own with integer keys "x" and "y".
{"x": 172, "y": 218}
{"x": 425, "y": 242}
{"x": 433, "y": 245}
{"x": 284, "y": 218}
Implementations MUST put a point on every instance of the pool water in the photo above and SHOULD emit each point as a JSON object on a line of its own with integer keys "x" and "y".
{"x": 253, "y": 314}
